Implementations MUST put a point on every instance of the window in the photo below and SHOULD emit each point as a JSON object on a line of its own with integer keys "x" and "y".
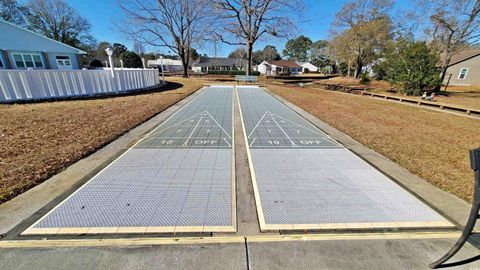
{"x": 28, "y": 60}
{"x": 1, "y": 62}
{"x": 63, "y": 62}
{"x": 19, "y": 60}
{"x": 463, "y": 74}
{"x": 37, "y": 60}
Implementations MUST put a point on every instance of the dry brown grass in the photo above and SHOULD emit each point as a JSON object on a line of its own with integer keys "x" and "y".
{"x": 40, "y": 140}
{"x": 464, "y": 96}
{"x": 468, "y": 96}
{"x": 351, "y": 82}
{"x": 432, "y": 145}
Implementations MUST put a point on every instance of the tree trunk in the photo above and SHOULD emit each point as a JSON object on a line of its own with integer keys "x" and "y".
{"x": 249, "y": 56}
{"x": 443, "y": 74}
{"x": 358, "y": 69}
{"x": 185, "y": 70}
{"x": 184, "y": 64}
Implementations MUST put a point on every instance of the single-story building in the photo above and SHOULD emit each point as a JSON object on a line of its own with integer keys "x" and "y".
{"x": 205, "y": 64}
{"x": 21, "y": 49}
{"x": 169, "y": 65}
{"x": 279, "y": 67}
{"x": 464, "y": 68}
{"x": 307, "y": 65}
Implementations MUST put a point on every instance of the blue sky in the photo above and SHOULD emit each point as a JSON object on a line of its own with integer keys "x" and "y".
{"x": 315, "y": 23}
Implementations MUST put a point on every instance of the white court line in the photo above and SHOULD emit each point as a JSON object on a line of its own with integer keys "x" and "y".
{"x": 253, "y": 141}
{"x": 297, "y": 146}
{"x": 218, "y": 124}
{"x": 319, "y": 132}
{"x": 176, "y": 124}
{"x": 190, "y": 136}
{"x": 288, "y": 137}
{"x": 257, "y": 124}
{"x": 227, "y": 142}
{"x": 210, "y": 138}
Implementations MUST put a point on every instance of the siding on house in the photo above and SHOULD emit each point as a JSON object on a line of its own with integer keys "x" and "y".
{"x": 17, "y": 40}
{"x": 277, "y": 67}
{"x": 52, "y": 59}
{"x": 205, "y": 64}
{"x": 473, "y": 74}
{"x": 169, "y": 65}
{"x": 308, "y": 65}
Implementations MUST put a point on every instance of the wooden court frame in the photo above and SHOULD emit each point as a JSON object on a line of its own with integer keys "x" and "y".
{"x": 264, "y": 227}
{"x": 30, "y": 231}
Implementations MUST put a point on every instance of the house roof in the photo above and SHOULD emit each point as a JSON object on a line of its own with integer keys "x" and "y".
{"x": 165, "y": 62}
{"x": 219, "y": 62}
{"x": 17, "y": 38}
{"x": 464, "y": 55}
{"x": 285, "y": 64}
{"x": 305, "y": 63}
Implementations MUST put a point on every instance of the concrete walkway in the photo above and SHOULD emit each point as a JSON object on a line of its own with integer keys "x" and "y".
{"x": 351, "y": 254}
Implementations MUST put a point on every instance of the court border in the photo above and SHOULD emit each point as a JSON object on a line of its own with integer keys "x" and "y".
{"x": 155, "y": 241}
{"x": 264, "y": 227}
{"x": 31, "y": 231}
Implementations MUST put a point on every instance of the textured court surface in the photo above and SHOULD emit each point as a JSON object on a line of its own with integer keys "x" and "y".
{"x": 179, "y": 178}
{"x": 305, "y": 180}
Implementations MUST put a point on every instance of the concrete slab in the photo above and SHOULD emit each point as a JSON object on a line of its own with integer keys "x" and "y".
{"x": 218, "y": 256}
{"x": 360, "y": 254}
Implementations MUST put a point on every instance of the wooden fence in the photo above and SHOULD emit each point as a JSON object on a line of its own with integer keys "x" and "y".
{"x": 439, "y": 105}
{"x": 20, "y": 85}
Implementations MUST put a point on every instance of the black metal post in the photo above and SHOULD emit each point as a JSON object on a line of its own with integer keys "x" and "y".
{"x": 474, "y": 215}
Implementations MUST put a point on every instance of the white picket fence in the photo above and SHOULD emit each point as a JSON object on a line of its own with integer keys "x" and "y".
{"x": 18, "y": 85}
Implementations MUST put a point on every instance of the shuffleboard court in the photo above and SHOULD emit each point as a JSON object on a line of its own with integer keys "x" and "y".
{"x": 179, "y": 178}
{"x": 303, "y": 179}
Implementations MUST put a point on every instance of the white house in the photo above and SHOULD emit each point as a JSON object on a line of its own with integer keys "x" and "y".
{"x": 23, "y": 49}
{"x": 309, "y": 66}
{"x": 205, "y": 64}
{"x": 279, "y": 67}
{"x": 169, "y": 65}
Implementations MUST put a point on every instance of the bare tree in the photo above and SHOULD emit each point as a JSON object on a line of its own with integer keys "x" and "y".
{"x": 361, "y": 29}
{"x": 174, "y": 24}
{"x": 57, "y": 20}
{"x": 356, "y": 12}
{"x": 10, "y": 11}
{"x": 454, "y": 26}
{"x": 247, "y": 21}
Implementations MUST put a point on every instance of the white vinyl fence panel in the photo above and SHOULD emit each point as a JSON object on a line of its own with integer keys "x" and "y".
{"x": 18, "y": 85}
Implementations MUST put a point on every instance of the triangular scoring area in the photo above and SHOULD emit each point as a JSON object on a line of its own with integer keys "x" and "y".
{"x": 273, "y": 130}
{"x": 199, "y": 130}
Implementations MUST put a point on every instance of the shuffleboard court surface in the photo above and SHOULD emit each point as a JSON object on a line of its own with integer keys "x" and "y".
{"x": 303, "y": 179}
{"x": 179, "y": 178}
